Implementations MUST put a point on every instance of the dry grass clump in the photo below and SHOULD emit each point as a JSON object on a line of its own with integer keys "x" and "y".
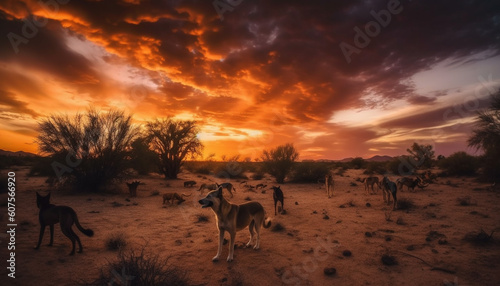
{"x": 116, "y": 241}
{"x": 202, "y": 218}
{"x": 140, "y": 268}
{"x": 405, "y": 204}
{"x": 479, "y": 238}
{"x": 278, "y": 227}
{"x": 466, "y": 201}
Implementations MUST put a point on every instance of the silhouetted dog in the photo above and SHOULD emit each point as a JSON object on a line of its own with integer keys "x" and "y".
{"x": 51, "y": 214}
{"x": 278, "y": 197}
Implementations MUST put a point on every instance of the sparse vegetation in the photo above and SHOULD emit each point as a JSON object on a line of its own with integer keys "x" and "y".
{"x": 116, "y": 241}
{"x": 142, "y": 269}
{"x": 479, "y": 237}
{"x": 459, "y": 164}
{"x": 405, "y": 204}
{"x": 278, "y": 162}
{"x": 201, "y": 218}
{"x": 486, "y": 136}
{"x": 466, "y": 201}
{"x": 277, "y": 227}
{"x": 95, "y": 145}
{"x": 309, "y": 172}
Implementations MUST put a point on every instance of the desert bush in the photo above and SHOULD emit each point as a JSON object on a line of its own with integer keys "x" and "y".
{"x": 486, "y": 136}
{"x": 357, "y": 163}
{"x": 278, "y": 162}
{"x": 278, "y": 227}
{"x": 9, "y": 161}
{"x": 41, "y": 166}
{"x": 230, "y": 169}
{"x": 405, "y": 204}
{"x": 378, "y": 168}
{"x": 116, "y": 241}
{"x": 89, "y": 149}
{"x": 142, "y": 159}
{"x": 479, "y": 238}
{"x": 202, "y": 218}
{"x": 142, "y": 269}
{"x": 258, "y": 175}
{"x": 309, "y": 172}
{"x": 466, "y": 201}
{"x": 401, "y": 165}
{"x": 459, "y": 164}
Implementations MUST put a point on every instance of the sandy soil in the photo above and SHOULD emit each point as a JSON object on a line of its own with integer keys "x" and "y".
{"x": 296, "y": 255}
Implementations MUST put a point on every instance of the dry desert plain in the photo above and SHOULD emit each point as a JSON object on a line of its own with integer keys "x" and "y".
{"x": 427, "y": 241}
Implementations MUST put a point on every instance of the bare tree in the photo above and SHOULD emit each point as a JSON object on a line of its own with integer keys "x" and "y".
{"x": 279, "y": 161}
{"x": 90, "y": 149}
{"x": 173, "y": 141}
{"x": 486, "y": 136}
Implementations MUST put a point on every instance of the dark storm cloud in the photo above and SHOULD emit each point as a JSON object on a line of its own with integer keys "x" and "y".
{"x": 263, "y": 55}
{"x": 8, "y": 100}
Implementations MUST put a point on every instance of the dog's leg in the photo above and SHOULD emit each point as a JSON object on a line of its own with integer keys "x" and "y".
{"x": 250, "y": 228}
{"x": 67, "y": 233}
{"x": 42, "y": 230}
{"x": 275, "y": 202}
{"x": 231, "y": 246}
{"x": 51, "y": 234}
{"x": 219, "y": 249}
{"x": 257, "y": 225}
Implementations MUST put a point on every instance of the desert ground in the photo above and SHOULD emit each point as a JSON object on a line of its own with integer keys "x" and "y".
{"x": 427, "y": 241}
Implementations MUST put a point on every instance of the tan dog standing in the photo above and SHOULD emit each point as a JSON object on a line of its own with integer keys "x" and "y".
{"x": 232, "y": 218}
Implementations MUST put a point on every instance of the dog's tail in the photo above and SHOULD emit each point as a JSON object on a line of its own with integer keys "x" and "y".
{"x": 266, "y": 223}
{"x": 87, "y": 232}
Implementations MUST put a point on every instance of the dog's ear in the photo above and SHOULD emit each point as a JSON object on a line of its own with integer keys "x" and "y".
{"x": 219, "y": 192}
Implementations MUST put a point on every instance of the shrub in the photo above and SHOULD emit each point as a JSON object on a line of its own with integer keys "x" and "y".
{"x": 116, "y": 241}
{"x": 378, "y": 168}
{"x": 405, "y": 204}
{"x": 357, "y": 163}
{"x": 459, "y": 164}
{"x": 89, "y": 149}
{"x": 309, "y": 172}
{"x": 278, "y": 162}
{"x": 141, "y": 268}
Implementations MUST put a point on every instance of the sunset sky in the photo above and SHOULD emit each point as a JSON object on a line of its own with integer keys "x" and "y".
{"x": 336, "y": 78}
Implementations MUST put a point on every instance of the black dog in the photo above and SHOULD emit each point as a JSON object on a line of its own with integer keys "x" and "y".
{"x": 277, "y": 196}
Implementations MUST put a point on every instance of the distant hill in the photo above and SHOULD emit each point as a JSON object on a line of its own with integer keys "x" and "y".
{"x": 376, "y": 158}
{"x": 16, "y": 154}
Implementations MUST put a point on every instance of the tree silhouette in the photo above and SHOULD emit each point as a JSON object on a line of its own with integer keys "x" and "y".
{"x": 88, "y": 149}
{"x": 279, "y": 161}
{"x": 142, "y": 159}
{"x": 173, "y": 141}
{"x": 422, "y": 156}
{"x": 486, "y": 136}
